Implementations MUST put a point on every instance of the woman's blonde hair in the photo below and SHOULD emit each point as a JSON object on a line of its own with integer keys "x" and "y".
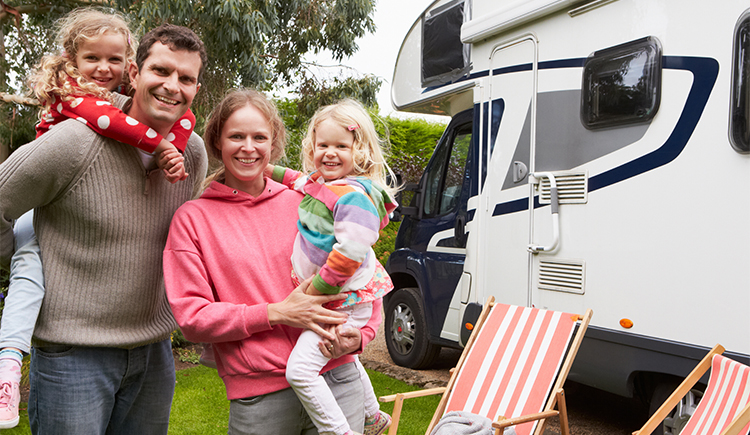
{"x": 50, "y": 78}
{"x": 232, "y": 102}
{"x": 367, "y": 150}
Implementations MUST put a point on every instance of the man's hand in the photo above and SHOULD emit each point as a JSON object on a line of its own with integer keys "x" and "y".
{"x": 346, "y": 341}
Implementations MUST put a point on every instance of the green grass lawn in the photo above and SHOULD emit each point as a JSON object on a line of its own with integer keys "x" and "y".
{"x": 200, "y": 405}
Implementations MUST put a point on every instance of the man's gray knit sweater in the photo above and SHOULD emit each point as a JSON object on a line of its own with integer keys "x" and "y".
{"x": 102, "y": 221}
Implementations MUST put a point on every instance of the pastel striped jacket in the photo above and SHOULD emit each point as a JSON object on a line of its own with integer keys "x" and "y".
{"x": 339, "y": 221}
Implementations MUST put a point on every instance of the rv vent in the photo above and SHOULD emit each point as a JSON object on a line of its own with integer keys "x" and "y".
{"x": 572, "y": 188}
{"x": 562, "y": 276}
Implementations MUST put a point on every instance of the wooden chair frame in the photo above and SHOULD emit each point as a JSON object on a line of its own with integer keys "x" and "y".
{"x": 687, "y": 384}
{"x": 557, "y": 398}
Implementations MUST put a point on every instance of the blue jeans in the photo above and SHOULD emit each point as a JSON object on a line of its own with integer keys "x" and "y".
{"x": 26, "y": 288}
{"x": 96, "y": 390}
{"x": 281, "y": 413}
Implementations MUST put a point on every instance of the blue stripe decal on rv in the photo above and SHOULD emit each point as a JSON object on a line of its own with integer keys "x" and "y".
{"x": 705, "y": 71}
{"x": 550, "y": 64}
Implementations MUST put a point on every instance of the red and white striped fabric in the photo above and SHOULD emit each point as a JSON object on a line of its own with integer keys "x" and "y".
{"x": 513, "y": 364}
{"x": 727, "y": 393}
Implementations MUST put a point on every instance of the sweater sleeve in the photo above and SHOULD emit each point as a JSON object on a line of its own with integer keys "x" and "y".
{"x": 356, "y": 226}
{"x": 35, "y": 174}
{"x": 288, "y": 177}
{"x": 201, "y": 317}
{"x": 109, "y": 121}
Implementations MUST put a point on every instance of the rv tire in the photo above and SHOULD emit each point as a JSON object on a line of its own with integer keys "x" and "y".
{"x": 678, "y": 417}
{"x": 406, "y": 334}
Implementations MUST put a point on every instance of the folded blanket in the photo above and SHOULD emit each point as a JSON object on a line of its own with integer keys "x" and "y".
{"x": 466, "y": 423}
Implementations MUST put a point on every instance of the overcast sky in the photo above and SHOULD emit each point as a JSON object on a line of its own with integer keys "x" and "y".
{"x": 377, "y": 52}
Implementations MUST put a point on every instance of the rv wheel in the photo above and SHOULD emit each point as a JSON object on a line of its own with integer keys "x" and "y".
{"x": 406, "y": 333}
{"x": 678, "y": 418}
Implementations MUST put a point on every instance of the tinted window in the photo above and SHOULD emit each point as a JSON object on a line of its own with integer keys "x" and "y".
{"x": 444, "y": 57}
{"x": 739, "y": 121}
{"x": 444, "y": 178}
{"x": 622, "y": 84}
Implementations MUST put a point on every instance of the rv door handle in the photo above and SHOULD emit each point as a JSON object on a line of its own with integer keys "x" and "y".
{"x": 554, "y": 207}
{"x": 460, "y": 232}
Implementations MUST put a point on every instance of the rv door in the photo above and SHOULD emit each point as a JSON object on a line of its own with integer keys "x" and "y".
{"x": 508, "y": 132}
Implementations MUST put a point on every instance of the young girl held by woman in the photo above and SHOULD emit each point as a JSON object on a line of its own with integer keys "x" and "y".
{"x": 346, "y": 204}
{"x": 97, "y": 50}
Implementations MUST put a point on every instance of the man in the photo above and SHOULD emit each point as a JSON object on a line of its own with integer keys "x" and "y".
{"x": 102, "y": 360}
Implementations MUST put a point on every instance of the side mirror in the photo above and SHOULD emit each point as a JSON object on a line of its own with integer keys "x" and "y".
{"x": 408, "y": 211}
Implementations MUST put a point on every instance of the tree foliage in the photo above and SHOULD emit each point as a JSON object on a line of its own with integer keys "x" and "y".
{"x": 254, "y": 43}
{"x": 313, "y": 94}
{"x": 412, "y": 143}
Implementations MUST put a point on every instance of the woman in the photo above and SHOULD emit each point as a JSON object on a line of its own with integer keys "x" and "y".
{"x": 227, "y": 272}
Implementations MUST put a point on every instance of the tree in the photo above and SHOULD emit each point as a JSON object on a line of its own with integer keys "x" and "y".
{"x": 258, "y": 43}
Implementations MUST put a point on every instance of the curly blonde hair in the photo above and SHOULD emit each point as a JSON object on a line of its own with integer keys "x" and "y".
{"x": 368, "y": 153}
{"x": 50, "y": 78}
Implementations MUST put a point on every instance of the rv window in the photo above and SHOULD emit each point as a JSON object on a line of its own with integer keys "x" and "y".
{"x": 444, "y": 178}
{"x": 739, "y": 121}
{"x": 622, "y": 84}
{"x": 444, "y": 57}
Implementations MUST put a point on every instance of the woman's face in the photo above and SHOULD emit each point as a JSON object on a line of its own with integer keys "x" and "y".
{"x": 245, "y": 146}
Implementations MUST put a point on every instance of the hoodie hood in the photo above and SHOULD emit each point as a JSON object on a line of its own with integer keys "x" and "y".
{"x": 219, "y": 191}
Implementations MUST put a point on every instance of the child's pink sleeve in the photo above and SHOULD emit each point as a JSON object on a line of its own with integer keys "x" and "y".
{"x": 181, "y": 130}
{"x": 109, "y": 121}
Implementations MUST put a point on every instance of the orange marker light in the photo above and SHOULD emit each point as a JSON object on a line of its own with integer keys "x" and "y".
{"x": 626, "y": 323}
{"x": 469, "y": 326}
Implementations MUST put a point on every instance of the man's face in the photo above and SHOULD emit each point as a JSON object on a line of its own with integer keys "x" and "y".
{"x": 164, "y": 87}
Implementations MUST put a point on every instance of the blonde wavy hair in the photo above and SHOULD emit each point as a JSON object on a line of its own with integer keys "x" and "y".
{"x": 50, "y": 78}
{"x": 368, "y": 153}
{"x": 232, "y": 102}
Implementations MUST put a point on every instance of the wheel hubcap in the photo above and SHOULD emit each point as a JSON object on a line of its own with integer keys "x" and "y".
{"x": 402, "y": 329}
{"x": 675, "y": 422}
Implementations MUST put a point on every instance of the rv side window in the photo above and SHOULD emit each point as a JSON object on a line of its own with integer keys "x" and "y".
{"x": 622, "y": 84}
{"x": 445, "y": 177}
{"x": 739, "y": 120}
{"x": 444, "y": 57}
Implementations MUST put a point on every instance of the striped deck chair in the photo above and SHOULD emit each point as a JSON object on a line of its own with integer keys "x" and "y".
{"x": 725, "y": 406}
{"x": 512, "y": 369}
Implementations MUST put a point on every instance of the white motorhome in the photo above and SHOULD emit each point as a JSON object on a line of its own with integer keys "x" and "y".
{"x": 597, "y": 157}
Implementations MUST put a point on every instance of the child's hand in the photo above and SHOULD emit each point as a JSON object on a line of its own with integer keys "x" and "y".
{"x": 171, "y": 162}
{"x": 312, "y": 291}
{"x": 268, "y": 172}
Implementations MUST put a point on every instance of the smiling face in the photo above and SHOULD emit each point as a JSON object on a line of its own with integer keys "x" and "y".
{"x": 245, "y": 145}
{"x": 332, "y": 152}
{"x": 164, "y": 87}
{"x": 101, "y": 60}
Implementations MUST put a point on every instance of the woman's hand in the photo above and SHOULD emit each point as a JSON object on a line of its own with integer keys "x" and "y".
{"x": 305, "y": 311}
{"x": 347, "y": 340}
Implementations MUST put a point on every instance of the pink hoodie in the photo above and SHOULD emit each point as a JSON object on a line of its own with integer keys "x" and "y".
{"x": 227, "y": 257}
